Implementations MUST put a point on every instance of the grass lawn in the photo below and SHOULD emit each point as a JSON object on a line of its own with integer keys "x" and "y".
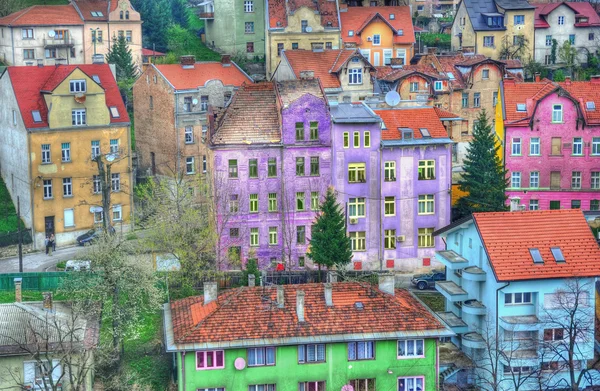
{"x": 8, "y": 214}
{"x": 9, "y": 296}
{"x": 435, "y": 301}
{"x": 28, "y": 3}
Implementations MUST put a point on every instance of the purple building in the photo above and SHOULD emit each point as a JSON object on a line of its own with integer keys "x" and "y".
{"x": 271, "y": 160}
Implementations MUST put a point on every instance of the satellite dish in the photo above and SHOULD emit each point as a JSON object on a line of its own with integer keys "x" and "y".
{"x": 110, "y": 157}
{"x": 392, "y": 98}
{"x": 51, "y": 33}
{"x": 239, "y": 363}
{"x": 195, "y": 101}
{"x": 94, "y": 209}
{"x": 309, "y": 29}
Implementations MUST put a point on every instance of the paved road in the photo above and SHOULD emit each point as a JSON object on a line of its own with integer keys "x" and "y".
{"x": 40, "y": 262}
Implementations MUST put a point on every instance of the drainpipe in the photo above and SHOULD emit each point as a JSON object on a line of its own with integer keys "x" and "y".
{"x": 177, "y": 157}
{"x": 498, "y": 291}
{"x": 31, "y": 190}
{"x": 183, "y": 370}
{"x": 340, "y": 42}
{"x": 12, "y": 41}
{"x": 380, "y": 243}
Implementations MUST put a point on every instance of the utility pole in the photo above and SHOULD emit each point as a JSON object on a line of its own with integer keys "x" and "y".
{"x": 105, "y": 188}
{"x": 20, "y": 235}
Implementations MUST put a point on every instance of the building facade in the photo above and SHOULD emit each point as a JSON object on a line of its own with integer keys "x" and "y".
{"x": 552, "y": 143}
{"x": 308, "y": 347}
{"x": 65, "y": 118}
{"x": 512, "y": 280}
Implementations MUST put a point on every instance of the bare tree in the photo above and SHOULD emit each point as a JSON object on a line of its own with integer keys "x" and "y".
{"x": 514, "y": 50}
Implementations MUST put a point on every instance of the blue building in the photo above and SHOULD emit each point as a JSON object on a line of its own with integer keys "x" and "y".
{"x": 520, "y": 287}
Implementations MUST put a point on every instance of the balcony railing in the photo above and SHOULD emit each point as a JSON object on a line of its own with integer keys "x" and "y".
{"x": 58, "y": 42}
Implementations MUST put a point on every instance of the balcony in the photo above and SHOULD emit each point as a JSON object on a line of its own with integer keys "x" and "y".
{"x": 451, "y": 291}
{"x": 522, "y": 323}
{"x": 206, "y": 15}
{"x": 57, "y": 42}
{"x": 473, "y": 273}
{"x": 206, "y": 10}
{"x": 473, "y": 340}
{"x": 455, "y": 323}
{"x": 451, "y": 259}
{"x": 473, "y": 307}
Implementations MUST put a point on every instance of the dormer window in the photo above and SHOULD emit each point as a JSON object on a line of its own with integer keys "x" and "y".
{"x": 438, "y": 85}
{"x": 536, "y": 255}
{"x": 77, "y": 86}
{"x": 329, "y": 24}
{"x": 557, "y": 254}
{"x": 590, "y": 106}
{"x": 495, "y": 20}
{"x": 521, "y": 107}
{"x": 407, "y": 134}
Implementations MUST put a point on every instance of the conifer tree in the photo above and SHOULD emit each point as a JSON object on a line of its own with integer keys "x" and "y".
{"x": 120, "y": 55}
{"x": 329, "y": 244}
{"x": 484, "y": 177}
{"x": 180, "y": 13}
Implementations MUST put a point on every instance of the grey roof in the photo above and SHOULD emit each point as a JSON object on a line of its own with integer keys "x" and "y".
{"x": 353, "y": 113}
{"x": 514, "y": 4}
{"x": 476, "y": 8}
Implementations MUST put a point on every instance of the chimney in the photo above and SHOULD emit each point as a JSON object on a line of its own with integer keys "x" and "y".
{"x": 332, "y": 276}
{"x": 98, "y": 59}
{"x": 18, "y": 291}
{"x": 187, "y": 62}
{"x": 300, "y": 305}
{"x": 537, "y": 77}
{"x": 514, "y": 204}
{"x": 210, "y": 292}
{"x": 226, "y": 60}
{"x": 280, "y": 297}
{"x": 47, "y": 304}
{"x": 509, "y": 80}
{"x": 568, "y": 80}
{"x": 307, "y": 75}
{"x": 387, "y": 283}
{"x": 328, "y": 294}
{"x": 251, "y": 280}
{"x": 40, "y": 62}
{"x": 595, "y": 79}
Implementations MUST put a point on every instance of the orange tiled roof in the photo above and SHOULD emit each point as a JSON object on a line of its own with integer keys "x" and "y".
{"x": 356, "y": 19}
{"x": 88, "y": 6}
{"x": 413, "y": 118}
{"x": 278, "y": 11}
{"x": 202, "y": 72}
{"x": 43, "y": 15}
{"x": 252, "y": 313}
{"x": 508, "y": 236}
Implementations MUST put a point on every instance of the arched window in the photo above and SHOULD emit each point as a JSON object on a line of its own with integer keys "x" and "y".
{"x": 126, "y": 14}
{"x": 121, "y": 14}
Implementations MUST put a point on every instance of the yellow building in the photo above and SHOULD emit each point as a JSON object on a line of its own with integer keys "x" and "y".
{"x": 500, "y": 29}
{"x": 59, "y": 123}
{"x": 312, "y": 26}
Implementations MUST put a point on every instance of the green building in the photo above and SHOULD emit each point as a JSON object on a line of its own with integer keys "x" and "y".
{"x": 305, "y": 337}
{"x": 235, "y": 27}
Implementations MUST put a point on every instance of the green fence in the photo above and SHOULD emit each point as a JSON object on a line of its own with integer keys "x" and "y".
{"x": 32, "y": 281}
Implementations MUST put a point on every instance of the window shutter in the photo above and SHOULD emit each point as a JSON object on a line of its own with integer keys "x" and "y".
{"x": 69, "y": 220}
{"x": 56, "y": 370}
{"x": 29, "y": 372}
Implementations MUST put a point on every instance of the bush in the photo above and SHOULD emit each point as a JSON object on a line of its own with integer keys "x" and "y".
{"x": 251, "y": 268}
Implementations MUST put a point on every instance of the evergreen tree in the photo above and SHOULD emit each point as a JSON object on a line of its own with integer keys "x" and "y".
{"x": 484, "y": 177}
{"x": 329, "y": 244}
{"x": 179, "y": 12}
{"x": 120, "y": 55}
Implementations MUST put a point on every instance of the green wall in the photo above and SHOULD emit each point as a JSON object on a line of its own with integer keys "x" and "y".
{"x": 336, "y": 371}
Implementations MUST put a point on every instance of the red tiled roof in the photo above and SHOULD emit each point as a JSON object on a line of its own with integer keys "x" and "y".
{"x": 579, "y": 8}
{"x": 252, "y": 313}
{"x": 413, "y": 118}
{"x": 202, "y": 72}
{"x": 28, "y": 82}
{"x": 278, "y": 12}
{"x": 508, "y": 236}
{"x": 356, "y": 19}
{"x": 150, "y": 52}
{"x": 88, "y": 6}
{"x": 43, "y": 15}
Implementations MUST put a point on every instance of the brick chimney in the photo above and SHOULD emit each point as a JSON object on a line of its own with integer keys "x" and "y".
{"x": 328, "y": 294}
{"x": 251, "y": 280}
{"x": 280, "y": 297}
{"x": 300, "y": 305}
{"x": 387, "y": 283}
{"x": 98, "y": 59}
{"x": 48, "y": 304}
{"x": 187, "y": 61}
{"x": 210, "y": 292}
{"x": 595, "y": 79}
{"x": 18, "y": 291}
{"x": 568, "y": 80}
{"x": 226, "y": 60}
{"x": 307, "y": 75}
{"x": 537, "y": 77}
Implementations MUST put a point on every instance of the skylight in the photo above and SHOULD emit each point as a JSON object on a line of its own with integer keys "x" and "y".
{"x": 114, "y": 112}
{"x": 450, "y": 75}
{"x": 521, "y": 107}
{"x": 96, "y": 14}
{"x": 350, "y": 33}
{"x": 36, "y": 116}
{"x": 96, "y": 79}
{"x": 557, "y": 254}
{"x": 425, "y": 133}
{"x": 590, "y": 106}
{"x": 400, "y": 32}
{"x": 392, "y": 16}
{"x": 536, "y": 256}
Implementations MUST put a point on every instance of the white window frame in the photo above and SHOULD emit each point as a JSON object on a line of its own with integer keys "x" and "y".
{"x": 516, "y": 149}
{"x": 65, "y": 152}
{"x": 114, "y": 145}
{"x": 305, "y": 356}
{"x": 46, "y": 154}
{"x": 357, "y": 207}
{"x": 595, "y": 180}
{"x": 67, "y": 187}
{"x": 414, "y": 383}
{"x": 387, "y": 56}
{"x": 69, "y": 221}
{"x": 577, "y": 149}
{"x": 401, "y": 53}
{"x": 576, "y": 180}
{"x": 355, "y": 76}
{"x": 95, "y": 148}
{"x": 534, "y": 205}
{"x": 376, "y": 39}
{"x": 596, "y": 146}
{"x": 78, "y": 117}
{"x": 518, "y": 298}
{"x": 47, "y": 189}
{"x": 254, "y": 352}
{"x": 115, "y": 182}
{"x": 515, "y": 179}
{"x": 557, "y": 114}
{"x": 117, "y": 213}
{"x": 248, "y": 6}
{"x": 96, "y": 184}
{"x": 438, "y": 85}
{"x": 363, "y": 350}
{"x": 408, "y": 344}
{"x": 534, "y": 146}
{"x": 190, "y": 166}
{"x": 534, "y": 179}
{"x": 77, "y": 86}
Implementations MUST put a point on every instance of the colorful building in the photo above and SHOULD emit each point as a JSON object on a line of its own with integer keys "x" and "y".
{"x": 552, "y": 143}
{"x": 381, "y": 33}
{"x": 304, "y": 337}
{"x": 345, "y": 74}
{"x": 513, "y": 279}
{"x": 305, "y": 25}
{"x": 58, "y": 122}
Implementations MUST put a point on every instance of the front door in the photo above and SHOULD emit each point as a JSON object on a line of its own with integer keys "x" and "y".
{"x": 49, "y": 222}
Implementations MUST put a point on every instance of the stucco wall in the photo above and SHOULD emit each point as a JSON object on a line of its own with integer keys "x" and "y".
{"x": 468, "y": 34}
{"x": 375, "y": 52}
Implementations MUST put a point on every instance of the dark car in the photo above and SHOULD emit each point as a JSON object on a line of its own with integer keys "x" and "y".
{"x": 90, "y": 236}
{"x": 427, "y": 280}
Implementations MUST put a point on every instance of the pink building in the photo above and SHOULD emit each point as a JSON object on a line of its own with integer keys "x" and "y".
{"x": 552, "y": 143}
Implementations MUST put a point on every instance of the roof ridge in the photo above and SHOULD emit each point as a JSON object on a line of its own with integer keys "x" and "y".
{"x": 340, "y": 51}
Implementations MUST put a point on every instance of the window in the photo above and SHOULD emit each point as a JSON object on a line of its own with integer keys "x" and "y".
{"x": 314, "y": 200}
{"x": 50, "y": 53}
{"x": 516, "y": 146}
{"x": 411, "y": 348}
{"x": 534, "y": 179}
{"x": 115, "y": 182}
{"x": 357, "y": 172}
{"x": 358, "y": 241}
{"x": 67, "y": 187}
{"x": 189, "y": 134}
{"x": 190, "y": 167}
{"x": 389, "y": 239}
{"x": 376, "y": 39}
{"x": 253, "y": 168}
{"x": 426, "y": 204}
{"x": 534, "y": 205}
{"x": 34, "y": 113}
{"x": 438, "y": 85}
{"x": 578, "y": 146}
{"x": 401, "y": 54}
{"x": 488, "y": 41}
{"x": 534, "y": 146}
{"x": 272, "y": 167}
{"x": 548, "y": 40}
{"x": 311, "y": 353}
{"x": 554, "y": 334}
{"x": 590, "y": 105}
{"x": 128, "y": 35}
{"x": 187, "y": 104}
{"x": 595, "y": 180}
{"x": 507, "y": 370}
{"x": 346, "y": 137}
{"x": 356, "y": 139}
{"x": 465, "y": 100}
{"x": 248, "y": 6}
{"x": 350, "y": 33}
{"x": 387, "y": 56}
{"x": 77, "y": 86}
{"x": 596, "y": 146}
{"x": 249, "y": 27}
{"x": 68, "y": 218}
{"x": 554, "y": 205}
{"x": 233, "y": 168}
{"x": 314, "y": 130}
{"x": 364, "y": 350}
{"x": 518, "y": 40}
{"x": 299, "y": 166}
{"x": 590, "y": 36}
{"x": 300, "y": 234}
{"x": 117, "y": 213}
{"x": 273, "y": 202}
{"x": 261, "y": 387}
{"x": 414, "y": 86}
{"x": 26, "y": 33}
{"x": 426, "y": 169}
{"x": 211, "y": 359}
{"x": 114, "y": 145}
{"x": 114, "y": 112}
{"x": 304, "y": 26}
{"x": 311, "y": 386}
{"x": 47, "y": 188}
{"x": 280, "y": 48}
{"x": 151, "y": 102}
{"x": 301, "y": 261}
{"x": 367, "y": 139}
{"x": 494, "y": 98}
{"x": 234, "y": 204}
{"x": 575, "y": 204}
{"x": 46, "y": 153}
{"x": 254, "y": 237}
{"x": 519, "y": 19}
{"x": 518, "y": 298}
{"x": 594, "y": 204}
{"x": 300, "y": 201}
{"x": 477, "y": 99}
{"x": 572, "y": 39}
{"x": 356, "y": 207}
{"x": 204, "y": 102}
{"x": 515, "y": 180}
{"x": 426, "y": 237}
{"x": 96, "y": 184}
{"x": 576, "y": 180}
{"x": 29, "y": 54}
{"x": 272, "y": 236}
{"x": 78, "y": 117}
{"x": 249, "y": 47}
{"x": 389, "y": 171}
{"x": 254, "y": 203}
{"x": 485, "y": 74}
{"x": 299, "y": 131}
{"x": 355, "y": 76}
{"x": 389, "y": 206}
{"x": 557, "y": 114}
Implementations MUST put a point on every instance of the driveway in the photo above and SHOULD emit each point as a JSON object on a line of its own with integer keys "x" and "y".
{"x": 40, "y": 262}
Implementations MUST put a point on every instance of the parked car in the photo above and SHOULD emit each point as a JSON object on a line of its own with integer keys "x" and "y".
{"x": 90, "y": 236}
{"x": 77, "y": 266}
{"x": 428, "y": 280}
